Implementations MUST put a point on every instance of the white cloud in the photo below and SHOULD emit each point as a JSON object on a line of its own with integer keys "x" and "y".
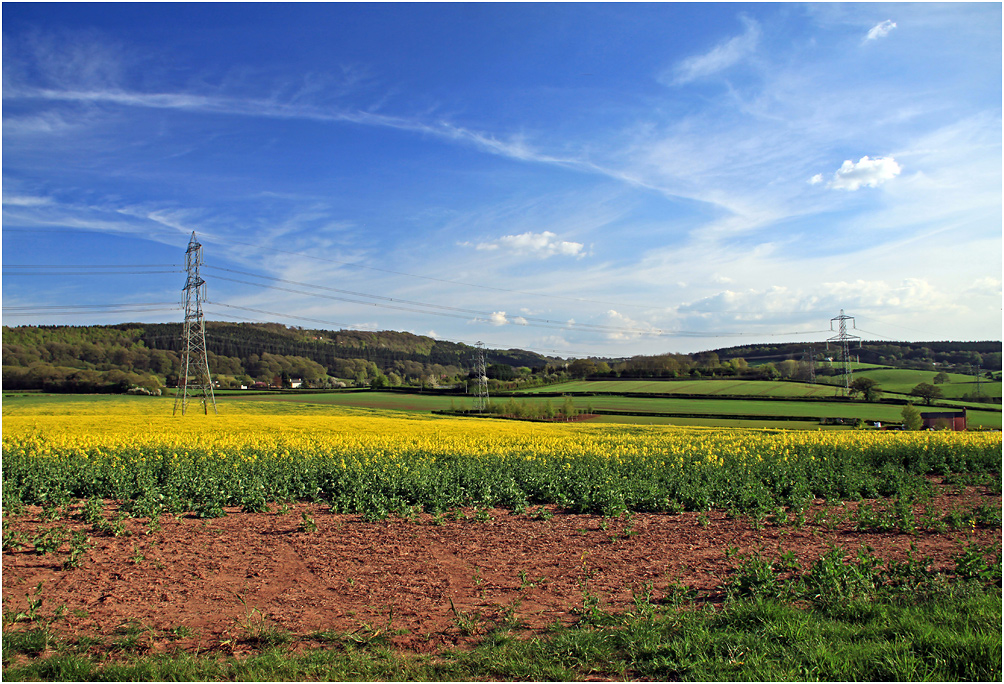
{"x": 498, "y": 318}
{"x": 632, "y": 329}
{"x": 880, "y": 30}
{"x": 719, "y": 58}
{"x": 867, "y": 171}
{"x": 990, "y": 287}
{"x": 25, "y": 201}
{"x": 541, "y": 245}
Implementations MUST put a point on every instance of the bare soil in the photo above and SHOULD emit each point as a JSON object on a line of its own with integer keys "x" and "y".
{"x": 219, "y": 580}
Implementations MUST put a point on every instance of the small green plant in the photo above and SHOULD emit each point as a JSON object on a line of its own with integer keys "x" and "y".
{"x": 210, "y": 509}
{"x": 542, "y": 513}
{"x": 307, "y": 523}
{"x": 469, "y": 623}
{"x": 79, "y": 544}
{"x": 526, "y": 583}
{"x": 973, "y": 564}
{"x": 956, "y": 519}
{"x": 51, "y": 512}
{"x": 482, "y": 515}
{"x": 754, "y": 577}
{"x": 93, "y": 511}
{"x": 12, "y": 539}
{"x": 179, "y": 632}
{"x": 986, "y": 515}
{"x": 779, "y": 517}
{"x": 283, "y": 509}
{"x": 50, "y": 540}
{"x": 137, "y": 555}
{"x": 254, "y": 627}
{"x": 35, "y": 600}
{"x": 703, "y": 520}
{"x": 112, "y": 528}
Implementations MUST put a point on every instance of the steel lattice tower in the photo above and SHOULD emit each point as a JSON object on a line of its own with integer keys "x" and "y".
{"x": 843, "y": 338}
{"x": 481, "y": 400}
{"x": 195, "y": 376}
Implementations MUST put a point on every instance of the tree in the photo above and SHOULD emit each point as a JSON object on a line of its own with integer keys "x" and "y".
{"x": 941, "y": 378}
{"x": 911, "y": 417}
{"x": 866, "y": 387}
{"x": 580, "y": 368}
{"x": 927, "y": 392}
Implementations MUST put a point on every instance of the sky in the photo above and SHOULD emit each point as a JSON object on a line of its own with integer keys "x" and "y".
{"x": 576, "y": 179}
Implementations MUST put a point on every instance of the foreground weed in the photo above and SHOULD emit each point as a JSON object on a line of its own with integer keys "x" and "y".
{"x": 254, "y": 627}
{"x": 12, "y": 539}
{"x": 973, "y": 563}
{"x": 50, "y": 540}
{"x": 469, "y": 623}
{"x": 79, "y": 545}
{"x": 34, "y": 600}
{"x": 307, "y": 523}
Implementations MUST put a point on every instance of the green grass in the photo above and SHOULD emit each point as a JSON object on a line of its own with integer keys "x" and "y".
{"x": 755, "y": 388}
{"x": 903, "y": 380}
{"x": 692, "y": 411}
{"x": 951, "y": 636}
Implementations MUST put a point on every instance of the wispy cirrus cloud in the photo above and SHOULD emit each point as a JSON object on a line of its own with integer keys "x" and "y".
{"x": 880, "y": 30}
{"x": 724, "y": 55}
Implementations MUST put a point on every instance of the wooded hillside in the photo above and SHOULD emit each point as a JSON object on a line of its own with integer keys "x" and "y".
{"x": 112, "y": 358}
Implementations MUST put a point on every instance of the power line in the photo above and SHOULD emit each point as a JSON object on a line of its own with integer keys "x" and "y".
{"x": 87, "y": 273}
{"x": 454, "y": 312}
{"x": 429, "y": 278}
{"x": 178, "y": 266}
{"x": 84, "y": 309}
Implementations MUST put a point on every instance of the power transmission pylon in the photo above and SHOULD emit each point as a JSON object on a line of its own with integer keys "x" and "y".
{"x": 481, "y": 400}
{"x": 195, "y": 376}
{"x": 843, "y": 337}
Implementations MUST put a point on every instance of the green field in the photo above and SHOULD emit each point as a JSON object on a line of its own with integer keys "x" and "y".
{"x": 725, "y": 410}
{"x": 746, "y": 388}
{"x": 903, "y": 380}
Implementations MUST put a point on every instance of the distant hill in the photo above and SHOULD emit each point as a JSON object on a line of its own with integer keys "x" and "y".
{"x": 96, "y": 358}
{"x": 112, "y": 358}
{"x": 915, "y": 355}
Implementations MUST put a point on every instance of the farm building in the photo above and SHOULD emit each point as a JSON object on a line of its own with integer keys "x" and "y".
{"x": 944, "y": 420}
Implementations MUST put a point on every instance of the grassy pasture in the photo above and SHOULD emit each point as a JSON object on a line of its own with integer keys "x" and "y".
{"x": 755, "y": 388}
{"x": 691, "y": 411}
{"x": 904, "y": 379}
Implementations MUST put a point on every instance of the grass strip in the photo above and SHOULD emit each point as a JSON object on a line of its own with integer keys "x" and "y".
{"x": 952, "y": 636}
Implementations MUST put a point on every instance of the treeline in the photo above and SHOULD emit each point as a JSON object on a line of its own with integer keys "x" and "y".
{"x": 960, "y": 356}
{"x": 117, "y": 357}
{"x": 702, "y": 365}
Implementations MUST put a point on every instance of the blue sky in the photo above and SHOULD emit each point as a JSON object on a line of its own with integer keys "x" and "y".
{"x": 577, "y": 179}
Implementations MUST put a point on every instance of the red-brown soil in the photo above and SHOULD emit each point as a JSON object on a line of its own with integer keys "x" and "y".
{"x": 211, "y": 576}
